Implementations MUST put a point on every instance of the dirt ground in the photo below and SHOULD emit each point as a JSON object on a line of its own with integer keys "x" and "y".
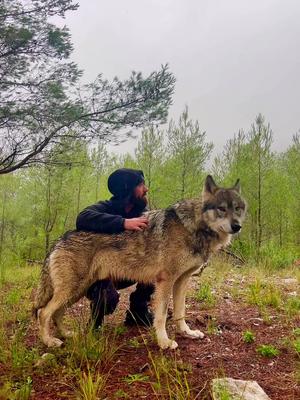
{"x": 222, "y": 353}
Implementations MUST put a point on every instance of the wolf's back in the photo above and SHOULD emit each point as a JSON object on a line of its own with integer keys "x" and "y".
{"x": 45, "y": 289}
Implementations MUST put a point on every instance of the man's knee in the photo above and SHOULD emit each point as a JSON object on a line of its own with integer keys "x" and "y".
{"x": 104, "y": 297}
{"x": 96, "y": 289}
{"x": 142, "y": 294}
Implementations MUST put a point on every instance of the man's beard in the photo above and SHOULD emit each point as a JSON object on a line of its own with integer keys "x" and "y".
{"x": 139, "y": 203}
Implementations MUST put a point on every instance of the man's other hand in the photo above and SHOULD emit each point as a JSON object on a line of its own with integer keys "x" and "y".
{"x": 135, "y": 224}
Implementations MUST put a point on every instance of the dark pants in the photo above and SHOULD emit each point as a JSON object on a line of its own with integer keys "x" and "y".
{"x": 104, "y": 298}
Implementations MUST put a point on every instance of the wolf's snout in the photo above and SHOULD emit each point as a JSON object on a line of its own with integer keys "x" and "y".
{"x": 235, "y": 228}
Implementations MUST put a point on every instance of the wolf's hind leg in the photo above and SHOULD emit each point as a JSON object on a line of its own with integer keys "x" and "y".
{"x": 58, "y": 320}
{"x": 45, "y": 315}
{"x": 162, "y": 296}
{"x": 179, "y": 292}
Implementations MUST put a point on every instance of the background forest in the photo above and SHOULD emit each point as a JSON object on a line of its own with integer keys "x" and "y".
{"x": 54, "y": 133}
{"x": 40, "y": 203}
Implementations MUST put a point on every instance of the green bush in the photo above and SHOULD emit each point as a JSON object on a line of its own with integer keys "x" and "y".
{"x": 267, "y": 350}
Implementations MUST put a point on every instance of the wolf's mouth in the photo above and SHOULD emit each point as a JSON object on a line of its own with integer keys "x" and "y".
{"x": 232, "y": 231}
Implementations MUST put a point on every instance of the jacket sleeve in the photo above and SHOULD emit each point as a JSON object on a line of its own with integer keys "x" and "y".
{"x": 96, "y": 218}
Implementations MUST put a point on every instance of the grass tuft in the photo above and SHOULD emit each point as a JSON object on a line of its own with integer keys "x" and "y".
{"x": 248, "y": 337}
{"x": 90, "y": 386}
{"x": 205, "y": 296}
{"x": 267, "y": 350}
{"x": 171, "y": 378}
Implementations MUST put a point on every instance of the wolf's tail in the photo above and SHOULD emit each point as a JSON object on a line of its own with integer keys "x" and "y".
{"x": 45, "y": 289}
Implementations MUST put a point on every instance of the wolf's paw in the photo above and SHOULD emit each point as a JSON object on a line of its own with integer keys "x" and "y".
{"x": 192, "y": 334}
{"x": 54, "y": 342}
{"x": 167, "y": 344}
{"x": 66, "y": 333}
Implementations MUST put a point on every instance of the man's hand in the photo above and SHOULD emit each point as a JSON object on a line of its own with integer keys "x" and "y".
{"x": 135, "y": 224}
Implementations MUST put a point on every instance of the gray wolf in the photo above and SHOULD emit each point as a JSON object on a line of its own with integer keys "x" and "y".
{"x": 178, "y": 241}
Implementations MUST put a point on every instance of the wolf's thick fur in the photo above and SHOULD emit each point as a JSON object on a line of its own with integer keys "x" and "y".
{"x": 177, "y": 242}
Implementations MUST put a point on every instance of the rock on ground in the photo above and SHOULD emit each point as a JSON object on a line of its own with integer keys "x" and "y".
{"x": 236, "y": 389}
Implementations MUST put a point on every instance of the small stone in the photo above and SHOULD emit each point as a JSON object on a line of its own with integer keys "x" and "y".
{"x": 199, "y": 320}
{"x": 293, "y": 294}
{"x": 145, "y": 367}
{"x": 289, "y": 281}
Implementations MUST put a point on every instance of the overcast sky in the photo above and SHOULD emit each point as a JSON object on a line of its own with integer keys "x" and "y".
{"x": 232, "y": 58}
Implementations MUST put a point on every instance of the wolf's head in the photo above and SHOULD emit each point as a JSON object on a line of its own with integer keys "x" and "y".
{"x": 223, "y": 210}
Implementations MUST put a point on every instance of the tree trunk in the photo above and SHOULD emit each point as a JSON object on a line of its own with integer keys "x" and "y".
{"x": 2, "y": 226}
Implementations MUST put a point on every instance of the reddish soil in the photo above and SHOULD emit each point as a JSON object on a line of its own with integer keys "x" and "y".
{"x": 222, "y": 352}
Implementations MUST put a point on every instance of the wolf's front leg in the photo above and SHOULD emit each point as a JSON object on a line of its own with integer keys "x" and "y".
{"x": 179, "y": 292}
{"x": 162, "y": 296}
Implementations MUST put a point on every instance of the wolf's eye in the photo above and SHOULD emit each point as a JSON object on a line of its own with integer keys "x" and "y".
{"x": 222, "y": 209}
{"x": 237, "y": 208}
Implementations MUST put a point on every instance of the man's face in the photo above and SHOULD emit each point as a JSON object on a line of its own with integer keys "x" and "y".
{"x": 140, "y": 193}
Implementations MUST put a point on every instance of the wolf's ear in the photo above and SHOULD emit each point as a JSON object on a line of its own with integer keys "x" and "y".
{"x": 237, "y": 186}
{"x": 209, "y": 185}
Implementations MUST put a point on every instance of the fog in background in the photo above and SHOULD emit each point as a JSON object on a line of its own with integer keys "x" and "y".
{"x": 232, "y": 58}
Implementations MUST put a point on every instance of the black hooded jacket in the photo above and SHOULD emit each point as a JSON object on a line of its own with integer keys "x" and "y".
{"x": 106, "y": 216}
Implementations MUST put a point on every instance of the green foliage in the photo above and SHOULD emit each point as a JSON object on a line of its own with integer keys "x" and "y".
{"x": 189, "y": 152}
{"x": 267, "y": 350}
{"x": 13, "y": 297}
{"x": 205, "y": 295}
{"x": 171, "y": 377}
{"x": 264, "y": 294}
{"x": 135, "y": 343}
{"x": 39, "y": 204}
{"x": 270, "y": 187}
{"x": 212, "y": 326}
{"x": 90, "y": 385}
{"x": 296, "y": 346}
{"x": 24, "y": 391}
{"x": 86, "y": 348}
{"x": 292, "y": 306}
{"x": 276, "y": 257}
{"x": 296, "y": 332}
{"x": 35, "y": 66}
{"x": 120, "y": 330}
{"x": 248, "y": 337}
{"x": 132, "y": 378}
{"x": 121, "y": 394}
{"x": 150, "y": 157}
{"x": 222, "y": 392}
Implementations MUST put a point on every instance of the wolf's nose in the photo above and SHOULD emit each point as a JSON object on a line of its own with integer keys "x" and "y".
{"x": 235, "y": 228}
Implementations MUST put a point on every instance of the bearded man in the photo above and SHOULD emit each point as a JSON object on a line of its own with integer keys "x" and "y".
{"x": 122, "y": 212}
